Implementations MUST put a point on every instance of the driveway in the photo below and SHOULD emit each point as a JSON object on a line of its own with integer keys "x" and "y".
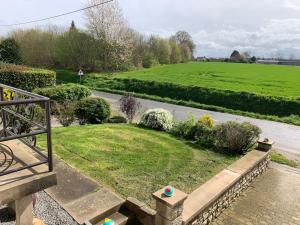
{"x": 286, "y": 136}
{"x": 273, "y": 199}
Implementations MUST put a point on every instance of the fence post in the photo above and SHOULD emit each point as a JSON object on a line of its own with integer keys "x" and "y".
{"x": 3, "y": 114}
{"x": 169, "y": 209}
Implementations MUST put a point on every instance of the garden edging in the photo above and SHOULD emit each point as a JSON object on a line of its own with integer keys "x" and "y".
{"x": 207, "y": 202}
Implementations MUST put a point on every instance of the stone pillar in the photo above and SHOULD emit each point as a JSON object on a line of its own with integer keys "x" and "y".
{"x": 169, "y": 209}
{"x": 24, "y": 211}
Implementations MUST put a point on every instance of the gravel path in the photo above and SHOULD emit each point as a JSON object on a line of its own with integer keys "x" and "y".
{"x": 46, "y": 209}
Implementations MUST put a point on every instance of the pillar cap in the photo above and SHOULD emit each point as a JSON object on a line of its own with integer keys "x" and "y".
{"x": 178, "y": 198}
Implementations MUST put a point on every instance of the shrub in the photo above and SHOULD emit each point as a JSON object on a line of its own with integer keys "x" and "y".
{"x": 92, "y": 110}
{"x": 158, "y": 119}
{"x": 65, "y": 92}
{"x": 207, "y": 121}
{"x": 10, "y": 51}
{"x": 236, "y": 138}
{"x": 204, "y": 135}
{"x": 185, "y": 129}
{"x": 26, "y": 78}
{"x": 130, "y": 106}
{"x": 65, "y": 113}
{"x": 117, "y": 119}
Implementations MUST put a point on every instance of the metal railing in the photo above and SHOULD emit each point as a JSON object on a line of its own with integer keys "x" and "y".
{"x": 23, "y": 116}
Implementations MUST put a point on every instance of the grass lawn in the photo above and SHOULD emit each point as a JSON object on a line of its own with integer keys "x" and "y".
{"x": 272, "y": 80}
{"x": 133, "y": 161}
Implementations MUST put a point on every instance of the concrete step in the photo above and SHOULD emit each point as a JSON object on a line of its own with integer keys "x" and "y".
{"x": 94, "y": 207}
{"x": 117, "y": 217}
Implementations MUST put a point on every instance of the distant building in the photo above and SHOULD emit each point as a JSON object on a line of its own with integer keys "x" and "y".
{"x": 290, "y": 62}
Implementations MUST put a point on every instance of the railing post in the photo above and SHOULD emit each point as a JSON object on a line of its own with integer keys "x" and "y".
{"x": 3, "y": 114}
{"x": 49, "y": 140}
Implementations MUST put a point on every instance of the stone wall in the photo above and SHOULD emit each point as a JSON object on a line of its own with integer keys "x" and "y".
{"x": 207, "y": 215}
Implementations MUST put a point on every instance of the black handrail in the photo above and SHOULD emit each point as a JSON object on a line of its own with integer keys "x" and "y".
{"x": 17, "y": 122}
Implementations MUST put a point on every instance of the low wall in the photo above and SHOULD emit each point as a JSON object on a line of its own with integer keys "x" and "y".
{"x": 207, "y": 202}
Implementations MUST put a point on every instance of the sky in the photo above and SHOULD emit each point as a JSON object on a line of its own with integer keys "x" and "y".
{"x": 265, "y": 28}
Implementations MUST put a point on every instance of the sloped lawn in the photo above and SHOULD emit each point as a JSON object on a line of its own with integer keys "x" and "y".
{"x": 133, "y": 161}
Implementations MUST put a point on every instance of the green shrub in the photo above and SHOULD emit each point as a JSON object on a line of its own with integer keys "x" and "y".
{"x": 159, "y": 119}
{"x": 243, "y": 101}
{"x": 92, "y": 110}
{"x": 26, "y": 78}
{"x": 204, "y": 135}
{"x": 65, "y": 112}
{"x": 185, "y": 129}
{"x": 117, "y": 119}
{"x": 65, "y": 92}
{"x": 236, "y": 138}
{"x": 10, "y": 51}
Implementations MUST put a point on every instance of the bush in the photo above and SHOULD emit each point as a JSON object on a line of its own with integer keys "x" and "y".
{"x": 10, "y": 51}
{"x": 129, "y": 106}
{"x": 207, "y": 121}
{"x": 117, "y": 119}
{"x": 185, "y": 129}
{"x": 92, "y": 110}
{"x": 236, "y": 138}
{"x": 204, "y": 135}
{"x": 65, "y": 92}
{"x": 158, "y": 119}
{"x": 65, "y": 113}
{"x": 26, "y": 78}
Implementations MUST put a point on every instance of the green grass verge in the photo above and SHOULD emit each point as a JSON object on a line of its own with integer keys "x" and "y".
{"x": 134, "y": 161}
{"x": 281, "y": 159}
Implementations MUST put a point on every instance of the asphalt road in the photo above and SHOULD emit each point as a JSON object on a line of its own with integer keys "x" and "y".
{"x": 286, "y": 136}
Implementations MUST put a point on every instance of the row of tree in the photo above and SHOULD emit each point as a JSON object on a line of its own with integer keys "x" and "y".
{"x": 108, "y": 44}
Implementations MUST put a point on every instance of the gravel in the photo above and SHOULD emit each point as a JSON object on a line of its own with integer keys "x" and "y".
{"x": 46, "y": 209}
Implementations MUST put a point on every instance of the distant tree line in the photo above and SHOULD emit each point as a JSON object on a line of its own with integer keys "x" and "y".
{"x": 108, "y": 44}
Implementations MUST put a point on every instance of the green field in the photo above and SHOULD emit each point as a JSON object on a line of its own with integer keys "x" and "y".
{"x": 133, "y": 161}
{"x": 255, "y": 78}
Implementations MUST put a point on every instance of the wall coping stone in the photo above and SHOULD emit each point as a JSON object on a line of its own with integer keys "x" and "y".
{"x": 213, "y": 189}
{"x": 178, "y": 198}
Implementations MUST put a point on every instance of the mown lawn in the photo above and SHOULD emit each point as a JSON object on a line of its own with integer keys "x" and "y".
{"x": 272, "y": 80}
{"x": 133, "y": 161}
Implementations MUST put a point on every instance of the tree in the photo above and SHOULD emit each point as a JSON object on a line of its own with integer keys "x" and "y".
{"x": 37, "y": 47}
{"x": 107, "y": 24}
{"x": 73, "y": 26}
{"x": 10, "y": 51}
{"x": 184, "y": 39}
{"x": 175, "y": 56}
{"x": 130, "y": 106}
{"x": 235, "y": 56}
{"x": 76, "y": 50}
{"x": 164, "y": 52}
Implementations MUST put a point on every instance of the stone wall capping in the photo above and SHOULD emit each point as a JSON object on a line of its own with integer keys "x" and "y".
{"x": 178, "y": 198}
{"x": 209, "y": 200}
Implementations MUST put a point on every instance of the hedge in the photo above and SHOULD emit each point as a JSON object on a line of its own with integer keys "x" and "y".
{"x": 26, "y": 78}
{"x": 65, "y": 92}
{"x": 244, "y": 101}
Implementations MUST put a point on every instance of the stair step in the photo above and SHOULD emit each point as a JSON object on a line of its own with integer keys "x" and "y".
{"x": 95, "y": 206}
{"x": 118, "y": 218}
